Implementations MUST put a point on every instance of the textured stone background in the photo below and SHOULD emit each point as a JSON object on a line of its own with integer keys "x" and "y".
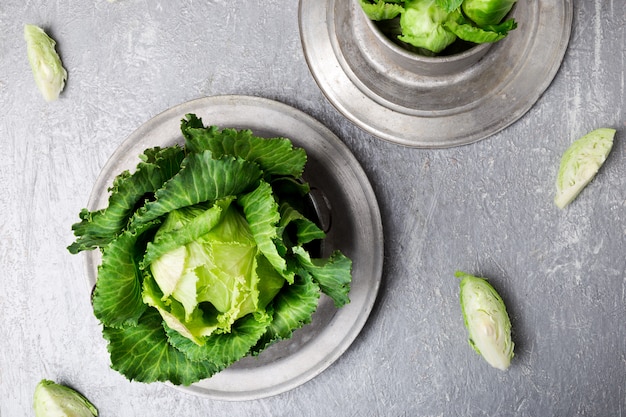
{"x": 485, "y": 208}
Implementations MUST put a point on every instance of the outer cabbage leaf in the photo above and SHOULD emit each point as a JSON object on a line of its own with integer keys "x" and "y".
{"x": 293, "y": 307}
{"x": 116, "y": 299}
{"x": 201, "y": 178}
{"x": 305, "y": 229}
{"x": 261, "y": 211}
{"x": 290, "y": 188}
{"x": 142, "y": 353}
{"x": 98, "y": 228}
{"x": 332, "y": 274}
{"x": 275, "y": 156}
{"x": 487, "y": 12}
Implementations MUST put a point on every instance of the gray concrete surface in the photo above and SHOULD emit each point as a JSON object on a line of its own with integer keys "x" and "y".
{"x": 485, "y": 208}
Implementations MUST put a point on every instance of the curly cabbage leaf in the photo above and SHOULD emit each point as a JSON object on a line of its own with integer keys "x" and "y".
{"x": 580, "y": 163}
{"x": 100, "y": 227}
{"x": 205, "y": 255}
{"x": 486, "y": 320}
{"x": 143, "y": 353}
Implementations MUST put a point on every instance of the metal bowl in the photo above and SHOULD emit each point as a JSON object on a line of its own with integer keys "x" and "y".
{"x": 432, "y": 102}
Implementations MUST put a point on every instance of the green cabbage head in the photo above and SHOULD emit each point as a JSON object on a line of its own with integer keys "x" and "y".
{"x": 210, "y": 253}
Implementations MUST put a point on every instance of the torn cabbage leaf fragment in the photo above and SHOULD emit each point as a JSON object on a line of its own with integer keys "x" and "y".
{"x": 56, "y": 400}
{"x": 486, "y": 320}
{"x": 580, "y": 163}
{"x": 45, "y": 62}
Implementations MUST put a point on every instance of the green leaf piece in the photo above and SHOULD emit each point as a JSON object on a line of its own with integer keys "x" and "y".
{"x": 423, "y": 25}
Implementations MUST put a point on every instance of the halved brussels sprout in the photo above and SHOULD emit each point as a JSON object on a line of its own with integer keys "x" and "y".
{"x": 55, "y": 400}
{"x": 49, "y": 73}
{"x": 580, "y": 164}
{"x": 487, "y": 321}
{"x": 487, "y": 12}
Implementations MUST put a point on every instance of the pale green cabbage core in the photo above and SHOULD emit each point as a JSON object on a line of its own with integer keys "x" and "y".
{"x": 206, "y": 284}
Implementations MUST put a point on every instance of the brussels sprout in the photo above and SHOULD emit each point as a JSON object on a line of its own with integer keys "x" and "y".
{"x": 55, "y": 400}
{"x": 487, "y": 321}
{"x": 580, "y": 163}
{"x": 422, "y": 24}
{"x": 48, "y": 70}
{"x": 487, "y": 12}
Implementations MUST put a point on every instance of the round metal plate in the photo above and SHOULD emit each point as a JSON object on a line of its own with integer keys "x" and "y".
{"x": 433, "y": 111}
{"x": 348, "y": 210}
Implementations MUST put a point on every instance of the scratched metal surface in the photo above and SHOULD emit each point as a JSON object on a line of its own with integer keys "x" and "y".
{"x": 485, "y": 208}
